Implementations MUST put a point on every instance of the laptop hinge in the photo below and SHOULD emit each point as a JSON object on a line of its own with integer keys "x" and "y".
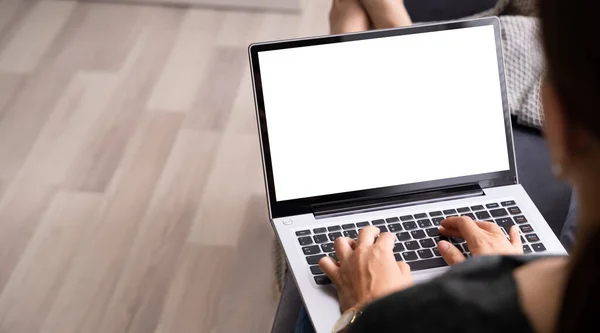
{"x": 347, "y": 207}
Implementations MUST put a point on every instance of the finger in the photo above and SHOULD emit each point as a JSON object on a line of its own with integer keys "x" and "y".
{"x": 404, "y": 267}
{"x": 450, "y": 253}
{"x": 450, "y": 232}
{"x": 386, "y": 241}
{"x": 329, "y": 267}
{"x": 489, "y": 226}
{"x": 515, "y": 237}
{"x": 467, "y": 227}
{"x": 366, "y": 237}
{"x": 343, "y": 248}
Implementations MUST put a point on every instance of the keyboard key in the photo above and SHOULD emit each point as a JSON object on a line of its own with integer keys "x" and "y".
{"x": 456, "y": 240}
{"x": 526, "y": 249}
{"x": 425, "y": 254}
{"x": 334, "y": 256}
{"x": 508, "y": 203}
{"x": 426, "y": 264}
{"x": 427, "y": 242}
{"x": 377, "y": 222}
{"x": 436, "y": 252}
{"x": 412, "y": 245}
{"x": 424, "y": 223}
{"x": 398, "y": 247}
{"x": 470, "y": 215}
{"x": 305, "y": 240}
{"x": 492, "y": 205}
{"x": 362, "y": 224}
{"x": 420, "y": 216}
{"x": 409, "y": 225}
{"x": 437, "y": 220}
{"x": 319, "y": 230}
{"x": 514, "y": 210}
{"x": 520, "y": 219}
{"x": 320, "y": 238}
{"x": 409, "y": 256}
{"x": 505, "y": 222}
{"x": 327, "y": 247}
{"x": 315, "y": 270}
{"x": 498, "y": 212}
{"x": 348, "y": 226}
{"x": 334, "y": 235}
{"x": 302, "y": 232}
{"x": 432, "y": 232}
{"x": 539, "y": 247}
{"x": 526, "y": 228}
{"x": 392, "y": 219}
{"x": 395, "y": 227}
{"x": 406, "y": 217}
{"x": 403, "y": 236}
{"x": 482, "y": 215}
{"x": 478, "y": 207}
{"x": 398, "y": 257}
{"x": 382, "y": 228}
{"x": 532, "y": 238}
{"x": 450, "y": 211}
{"x": 322, "y": 280}
{"x": 334, "y": 228}
{"x": 418, "y": 234}
{"x": 309, "y": 250}
{"x": 523, "y": 239}
{"x": 351, "y": 234}
{"x": 436, "y": 213}
{"x": 463, "y": 210}
{"x": 313, "y": 260}
{"x": 465, "y": 247}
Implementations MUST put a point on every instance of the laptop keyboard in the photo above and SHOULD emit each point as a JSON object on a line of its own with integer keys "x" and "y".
{"x": 417, "y": 235}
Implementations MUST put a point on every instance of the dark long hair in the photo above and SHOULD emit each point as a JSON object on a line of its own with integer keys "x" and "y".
{"x": 572, "y": 44}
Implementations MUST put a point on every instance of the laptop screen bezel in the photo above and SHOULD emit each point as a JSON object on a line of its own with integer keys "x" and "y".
{"x": 303, "y": 205}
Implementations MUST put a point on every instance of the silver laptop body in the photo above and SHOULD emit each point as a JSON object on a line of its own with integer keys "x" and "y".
{"x": 396, "y": 128}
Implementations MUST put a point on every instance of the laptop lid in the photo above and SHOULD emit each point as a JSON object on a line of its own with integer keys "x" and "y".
{"x": 382, "y": 113}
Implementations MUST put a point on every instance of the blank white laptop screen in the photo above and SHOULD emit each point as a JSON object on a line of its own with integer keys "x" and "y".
{"x": 380, "y": 112}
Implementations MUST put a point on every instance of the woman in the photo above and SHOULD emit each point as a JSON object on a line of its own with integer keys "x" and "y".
{"x": 493, "y": 293}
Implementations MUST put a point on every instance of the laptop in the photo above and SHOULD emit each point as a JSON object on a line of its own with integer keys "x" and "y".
{"x": 396, "y": 128}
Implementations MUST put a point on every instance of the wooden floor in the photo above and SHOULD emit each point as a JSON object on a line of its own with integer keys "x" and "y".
{"x": 131, "y": 189}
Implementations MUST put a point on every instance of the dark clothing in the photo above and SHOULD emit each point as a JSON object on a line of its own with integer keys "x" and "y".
{"x": 479, "y": 295}
{"x": 443, "y": 10}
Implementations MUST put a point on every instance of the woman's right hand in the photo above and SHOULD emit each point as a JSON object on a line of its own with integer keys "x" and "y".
{"x": 483, "y": 238}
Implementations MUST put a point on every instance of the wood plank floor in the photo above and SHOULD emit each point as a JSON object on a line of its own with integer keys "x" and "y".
{"x": 131, "y": 190}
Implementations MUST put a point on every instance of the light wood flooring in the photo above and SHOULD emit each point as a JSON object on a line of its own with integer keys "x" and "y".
{"x": 131, "y": 188}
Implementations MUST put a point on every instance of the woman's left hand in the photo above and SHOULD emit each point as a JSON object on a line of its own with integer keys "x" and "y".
{"x": 367, "y": 269}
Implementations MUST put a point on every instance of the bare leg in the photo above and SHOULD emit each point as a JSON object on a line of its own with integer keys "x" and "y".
{"x": 348, "y": 16}
{"x": 387, "y": 13}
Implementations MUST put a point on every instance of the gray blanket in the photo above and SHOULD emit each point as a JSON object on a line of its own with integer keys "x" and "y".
{"x": 523, "y": 58}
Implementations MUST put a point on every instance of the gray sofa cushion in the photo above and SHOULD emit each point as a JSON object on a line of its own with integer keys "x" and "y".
{"x": 551, "y": 196}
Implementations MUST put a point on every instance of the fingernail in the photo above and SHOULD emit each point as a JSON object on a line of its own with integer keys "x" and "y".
{"x": 443, "y": 246}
